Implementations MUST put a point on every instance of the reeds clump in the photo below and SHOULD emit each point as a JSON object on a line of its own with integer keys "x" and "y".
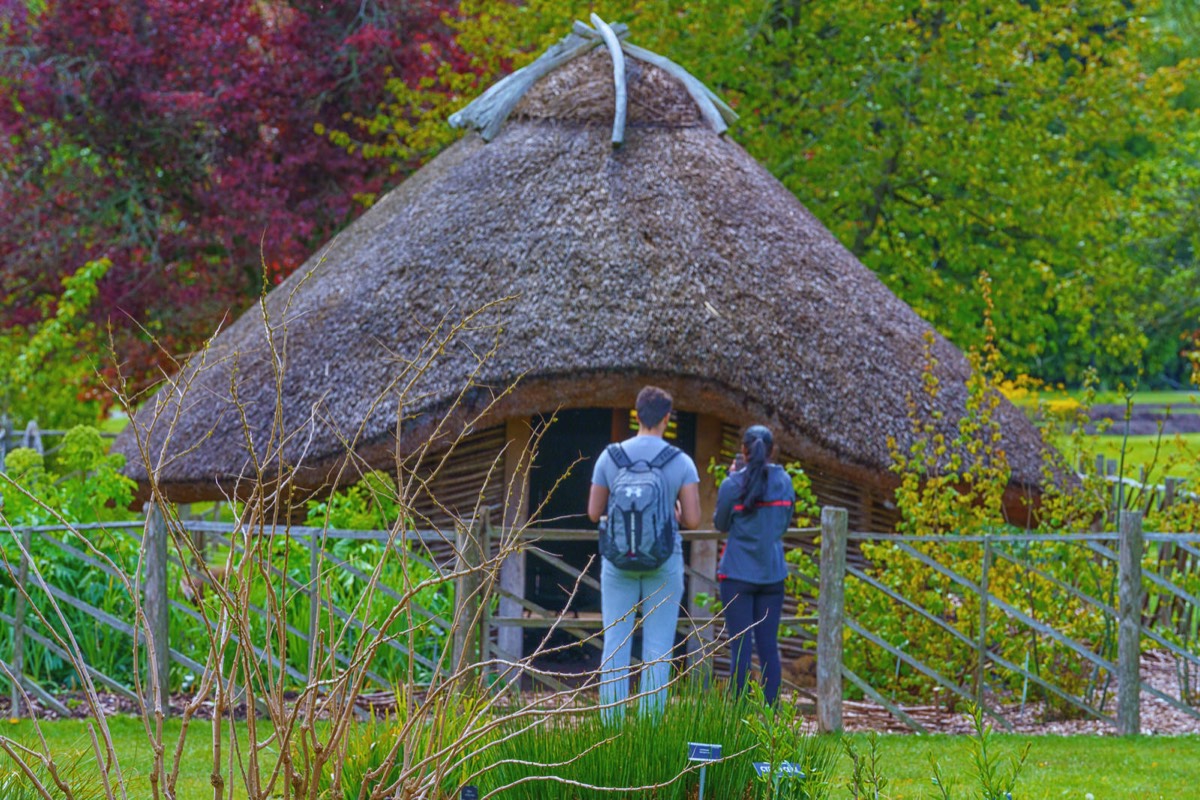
{"x": 580, "y": 756}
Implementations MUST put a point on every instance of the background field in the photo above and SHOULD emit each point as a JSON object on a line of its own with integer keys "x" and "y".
{"x": 1169, "y": 453}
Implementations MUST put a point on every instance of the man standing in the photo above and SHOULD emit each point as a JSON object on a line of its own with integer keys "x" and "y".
{"x": 643, "y": 489}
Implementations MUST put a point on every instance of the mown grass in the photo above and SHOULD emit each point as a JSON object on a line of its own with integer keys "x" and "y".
{"x": 1070, "y": 767}
{"x": 1180, "y": 400}
{"x": 1177, "y": 456}
{"x": 1058, "y": 766}
{"x": 1169, "y": 455}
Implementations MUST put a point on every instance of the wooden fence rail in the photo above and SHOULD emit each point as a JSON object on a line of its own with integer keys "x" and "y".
{"x": 473, "y": 628}
{"x": 153, "y": 596}
{"x": 1126, "y": 614}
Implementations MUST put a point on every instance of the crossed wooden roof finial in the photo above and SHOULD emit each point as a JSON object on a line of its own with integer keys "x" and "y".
{"x": 488, "y": 112}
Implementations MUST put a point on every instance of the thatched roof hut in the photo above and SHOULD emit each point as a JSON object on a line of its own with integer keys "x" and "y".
{"x": 586, "y": 271}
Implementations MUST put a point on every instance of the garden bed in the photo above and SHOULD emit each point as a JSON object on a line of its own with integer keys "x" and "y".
{"x": 1157, "y": 670}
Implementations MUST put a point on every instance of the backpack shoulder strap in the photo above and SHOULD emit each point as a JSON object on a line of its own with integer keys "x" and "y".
{"x": 619, "y": 456}
{"x": 664, "y": 456}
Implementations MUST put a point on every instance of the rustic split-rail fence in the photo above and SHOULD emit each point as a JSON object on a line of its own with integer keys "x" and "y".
{"x": 835, "y": 630}
{"x": 1147, "y": 573}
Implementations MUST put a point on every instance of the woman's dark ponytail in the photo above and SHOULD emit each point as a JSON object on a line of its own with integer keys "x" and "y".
{"x": 758, "y": 442}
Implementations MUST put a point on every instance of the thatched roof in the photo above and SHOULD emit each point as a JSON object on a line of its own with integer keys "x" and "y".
{"x": 674, "y": 259}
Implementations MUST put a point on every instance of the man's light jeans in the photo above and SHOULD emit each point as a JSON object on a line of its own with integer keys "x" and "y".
{"x": 655, "y": 595}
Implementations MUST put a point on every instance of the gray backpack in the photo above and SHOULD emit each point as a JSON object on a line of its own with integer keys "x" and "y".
{"x": 640, "y": 533}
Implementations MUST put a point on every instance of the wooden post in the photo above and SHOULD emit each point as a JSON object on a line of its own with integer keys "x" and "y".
{"x": 1168, "y": 499}
{"x": 510, "y": 639}
{"x": 467, "y": 592}
{"x": 1129, "y": 582}
{"x": 703, "y": 554}
{"x": 5, "y": 437}
{"x": 314, "y": 605}
{"x": 488, "y": 585}
{"x": 1114, "y": 489}
{"x": 155, "y": 602}
{"x": 33, "y": 438}
{"x": 830, "y": 618}
{"x": 981, "y": 655}
{"x": 18, "y": 656}
{"x": 200, "y": 544}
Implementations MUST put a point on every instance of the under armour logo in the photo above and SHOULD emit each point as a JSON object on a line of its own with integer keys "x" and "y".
{"x": 631, "y": 491}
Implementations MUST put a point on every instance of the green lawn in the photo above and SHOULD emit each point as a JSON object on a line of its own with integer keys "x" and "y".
{"x": 1179, "y": 400}
{"x": 1171, "y": 455}
{"x": 1058, "y": 767}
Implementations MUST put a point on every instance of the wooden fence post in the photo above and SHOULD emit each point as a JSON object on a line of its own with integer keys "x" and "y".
{"x": 981, "y": 655}
{"x": 18, "y": 656}
{"x": 33, "y": 438}
{"x": 467, "y": 592}
{"x": 155, "y": 602}
{"x": 314, "y": 604}
{"x": 1168, "y": 498}
{"x": 510, "y": 639}
{"x": 487, "y": 535}
{"x": 830, "y": 619}
{"x": 1129, "y": 583}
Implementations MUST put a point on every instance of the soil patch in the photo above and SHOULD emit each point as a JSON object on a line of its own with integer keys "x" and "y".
{"x": 1145, "y": 419}
{"x": 1158, "y": 717}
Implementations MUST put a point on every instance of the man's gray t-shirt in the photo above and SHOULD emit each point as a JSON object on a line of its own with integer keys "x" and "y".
{"x": 680, "y": 471}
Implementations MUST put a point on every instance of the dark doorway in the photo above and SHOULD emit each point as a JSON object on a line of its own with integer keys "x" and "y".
{"x": 561, "y": 478}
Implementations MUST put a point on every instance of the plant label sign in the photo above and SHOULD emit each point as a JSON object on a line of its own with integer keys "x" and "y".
{"x": 704, "y": 753}
{"x": 469, "y": 793}
{"x": 763, "y": 768}
{"x": 698, "y": 751}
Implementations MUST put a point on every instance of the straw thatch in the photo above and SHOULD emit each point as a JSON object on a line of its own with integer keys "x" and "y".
{"x": 675, "y": 259}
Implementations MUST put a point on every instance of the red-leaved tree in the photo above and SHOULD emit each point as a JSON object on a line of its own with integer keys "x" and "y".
{"x": 178, "y": 139}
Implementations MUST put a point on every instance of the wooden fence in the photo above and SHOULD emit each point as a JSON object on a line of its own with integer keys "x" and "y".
{"x": 31, "y": 436}
{"x": 1139, "y": 595}
{"x": 161, "y": 597}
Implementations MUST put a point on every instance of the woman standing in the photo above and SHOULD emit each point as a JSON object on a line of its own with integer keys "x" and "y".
{"x": 754, "y": 506}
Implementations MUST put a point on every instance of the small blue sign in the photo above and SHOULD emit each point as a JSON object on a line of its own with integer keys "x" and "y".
{"x": 763, "y": 768}
{"x": 469, "y": 793}
{"x": 698, "y": 751}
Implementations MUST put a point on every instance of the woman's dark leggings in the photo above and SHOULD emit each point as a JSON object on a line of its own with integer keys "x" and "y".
{"x": 757, "y": 607}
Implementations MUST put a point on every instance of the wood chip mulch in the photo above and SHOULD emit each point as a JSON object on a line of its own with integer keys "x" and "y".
{"x": 1157, "y": 717}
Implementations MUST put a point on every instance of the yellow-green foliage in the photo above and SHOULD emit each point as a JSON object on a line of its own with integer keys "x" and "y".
{"x": 952, "y": 481}
{"x": 42, "y": 368}
{"x": 84, "y": 485}
{"x": 1071, "y": 503}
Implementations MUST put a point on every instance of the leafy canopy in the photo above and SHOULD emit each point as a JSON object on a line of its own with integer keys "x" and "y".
{"x": 1047, "y": 144}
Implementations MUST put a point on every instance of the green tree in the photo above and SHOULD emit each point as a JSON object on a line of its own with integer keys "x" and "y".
{"x": 47, "y": 370}
{"x": 1043, "y": 142}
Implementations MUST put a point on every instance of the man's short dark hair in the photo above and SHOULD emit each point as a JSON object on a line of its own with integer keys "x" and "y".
{"x": 653, "y": 404}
